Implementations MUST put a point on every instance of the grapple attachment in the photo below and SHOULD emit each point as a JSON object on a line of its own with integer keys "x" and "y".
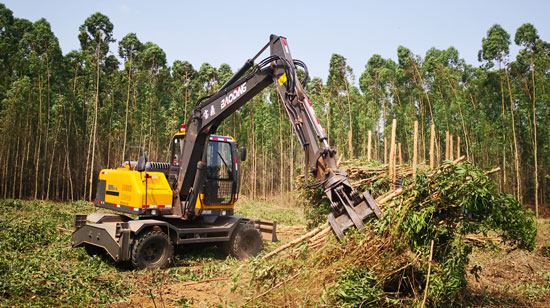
{"x": 349, "y": 208}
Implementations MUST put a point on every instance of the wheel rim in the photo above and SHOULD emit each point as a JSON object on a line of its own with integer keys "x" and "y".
{"x": 152, "y": 253}
{"x": 248, "y": 243}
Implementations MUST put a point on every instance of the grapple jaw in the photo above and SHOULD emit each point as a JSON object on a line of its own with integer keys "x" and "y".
{"x": 349, "y": 208}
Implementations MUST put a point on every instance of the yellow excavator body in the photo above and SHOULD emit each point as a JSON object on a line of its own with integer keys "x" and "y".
{"x": 129, "y": 191}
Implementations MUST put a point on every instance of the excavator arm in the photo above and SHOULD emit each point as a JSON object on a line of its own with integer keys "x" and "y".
{"x": 349, "y": 208}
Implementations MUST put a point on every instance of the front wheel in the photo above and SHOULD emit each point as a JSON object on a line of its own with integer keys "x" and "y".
{"x": 151, "y": 249}
{"x": 246, "y": 241}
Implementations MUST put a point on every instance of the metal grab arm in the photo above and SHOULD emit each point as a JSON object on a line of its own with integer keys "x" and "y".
{"x": 349, "y": 208}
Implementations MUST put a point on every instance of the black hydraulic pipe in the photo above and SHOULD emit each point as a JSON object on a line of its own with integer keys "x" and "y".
{"x": 247, "y": 65}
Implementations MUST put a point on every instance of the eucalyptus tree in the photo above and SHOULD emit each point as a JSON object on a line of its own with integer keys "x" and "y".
{"x": 111, "y": 129}
{"x": 379, "y": 86}
{"x": 527, "y": 37}
{"x": 12, "y": 63}
{"x": 13, "y": 69}
{"x": 152, "y": 62}
{"x": 372, "y": 86}
{"x": 338, "y": 85}
{"x": 223, "y": 74}
{"x": 445, "y": 71}
{"x": 207, "y": 79}
{"x": 75, "y": 126}
{"x": 128, "y": 49}
{"x": 183, "y": 75}
{"x": 496, "y": 48}
{"x": 14, "y": 115}
{"x": 41, "y": 49}
{"x": 95, "y": 35}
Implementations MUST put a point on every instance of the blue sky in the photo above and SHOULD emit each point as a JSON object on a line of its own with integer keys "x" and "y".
{"x": 233, "y": 31}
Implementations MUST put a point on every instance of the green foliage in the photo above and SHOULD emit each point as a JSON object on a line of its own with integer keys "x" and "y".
{"x": 457, "y": 200}
{"x": 496, "y": 45}
{"x": 96, "y": 33}
{"x": 315, "y": 212}
{"x": 466, "y": 201}
{"x": 444, "y": 208}
{"x": 526, "y": 35}
{"x": 39, "y": 268}
{"x": 356, "y": 287}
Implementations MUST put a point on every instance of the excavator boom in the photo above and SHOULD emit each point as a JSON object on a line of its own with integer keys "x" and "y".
{"x": 349, "y": 208}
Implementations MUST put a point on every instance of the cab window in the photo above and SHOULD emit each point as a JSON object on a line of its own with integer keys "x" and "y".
{"x": 219, "y": 161}
{"x": 177, "y": 149}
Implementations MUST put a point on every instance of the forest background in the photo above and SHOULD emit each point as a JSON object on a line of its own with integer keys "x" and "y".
{"x": 63, "y": 117}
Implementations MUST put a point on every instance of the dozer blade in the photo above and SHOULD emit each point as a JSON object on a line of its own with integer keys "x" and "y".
{"x": 353, "y": 215}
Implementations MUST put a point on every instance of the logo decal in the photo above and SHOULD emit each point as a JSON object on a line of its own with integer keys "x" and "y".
{"x": 229, "y": 98}
{"x": 226, "y": 101}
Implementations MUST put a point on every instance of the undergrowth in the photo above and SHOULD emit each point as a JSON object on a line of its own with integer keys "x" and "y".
{"x": 39, "y": 268}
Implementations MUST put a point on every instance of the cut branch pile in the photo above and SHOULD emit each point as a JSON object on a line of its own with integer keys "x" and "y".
{"x": 416, "y": 255}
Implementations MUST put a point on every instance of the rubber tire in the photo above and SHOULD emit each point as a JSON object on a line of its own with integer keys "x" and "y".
{"x": 152, "y": 242}
{"x": 246, "y": 241}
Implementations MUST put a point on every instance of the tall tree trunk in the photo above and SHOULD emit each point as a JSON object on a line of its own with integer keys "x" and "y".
{"x": 95, "y": 121}
{"x": 504, "y": 180}
{"x": 424, "y": 88}
{"x": 68, "y": 162}
{"x": 535, "y": 159}
{"x": 350, "y": 132}
{"x": 16, "y": 168}
{"x": 40, "y": 132}
{"x": 46, "y": 140}
{"x": 516, "y": 151}
{"x": 127, "y": 103}
{"x": 150, "y": 108}
{"x": 281, "y": 162}
{"x": 291, "y": 178}
{"x": 48, "y": 185}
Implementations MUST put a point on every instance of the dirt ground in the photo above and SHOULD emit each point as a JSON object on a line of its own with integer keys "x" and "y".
{"x": 512, "y": 278}
{"x": 508, "y": 278}
{"x": 215, "y": 293}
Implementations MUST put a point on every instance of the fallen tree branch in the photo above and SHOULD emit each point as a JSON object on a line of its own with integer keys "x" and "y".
{"x": 273, "y": 288}
{"x": 494, "y": 170}
{"x": 203, "y": 281}
{"x": 296, "y": 241}
{"x": 389, "y": 197}
{"x": 447, "y": 166}
{"x": 429, "y": 272}
{"x": 320, "y": 235}
{"x": 482, "y": 239}
{"x": 63, "y": 230}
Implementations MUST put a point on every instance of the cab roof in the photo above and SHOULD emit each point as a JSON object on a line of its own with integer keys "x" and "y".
{"x": 212, "y": 137}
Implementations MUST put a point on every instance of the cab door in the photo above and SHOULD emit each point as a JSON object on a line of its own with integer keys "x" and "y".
{"x": 221, "y": 176}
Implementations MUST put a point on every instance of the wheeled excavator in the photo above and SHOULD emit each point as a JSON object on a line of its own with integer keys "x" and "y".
{"x": 191, "y": 198}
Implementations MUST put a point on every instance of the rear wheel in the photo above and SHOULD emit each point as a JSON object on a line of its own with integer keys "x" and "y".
{"x": 246, "y": 241}
{"x": 151, "y": 249}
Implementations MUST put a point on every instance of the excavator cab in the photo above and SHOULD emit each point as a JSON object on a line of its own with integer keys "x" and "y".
{"x": 221, "y": 186}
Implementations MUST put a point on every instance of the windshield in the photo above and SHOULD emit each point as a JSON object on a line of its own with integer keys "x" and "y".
{"x": 218, "y": 160}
